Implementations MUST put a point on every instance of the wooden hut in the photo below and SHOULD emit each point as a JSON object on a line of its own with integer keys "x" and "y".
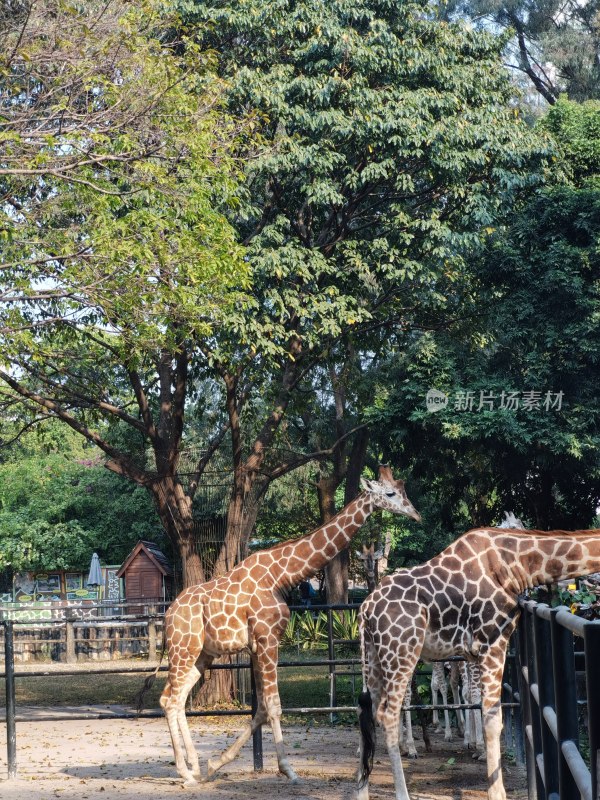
{"x": 147, "y": 573}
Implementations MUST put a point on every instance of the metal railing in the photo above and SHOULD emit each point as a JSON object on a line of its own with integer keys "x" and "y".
{"x": 559, "y": 672}
{"x": 333, "y": 662}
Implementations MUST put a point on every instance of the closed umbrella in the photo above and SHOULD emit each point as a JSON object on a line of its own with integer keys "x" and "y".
{"x": 95, "y": 576}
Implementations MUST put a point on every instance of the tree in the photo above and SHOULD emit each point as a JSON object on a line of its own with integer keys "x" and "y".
{"x": 117, "y": 257}
{"x": 388, "y": 143}
{"x": 535, "y": 335}
{"x": 391, "y": 145}
{"x": 58, "y": 505}
{"x": 555, "y": 45}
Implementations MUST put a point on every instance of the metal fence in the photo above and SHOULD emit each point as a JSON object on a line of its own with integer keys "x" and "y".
{"x": 559, "y": 657}
{"x": 346, "y": 664}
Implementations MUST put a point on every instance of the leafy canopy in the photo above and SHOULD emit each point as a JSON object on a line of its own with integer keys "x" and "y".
{"x": 392, "y": 145}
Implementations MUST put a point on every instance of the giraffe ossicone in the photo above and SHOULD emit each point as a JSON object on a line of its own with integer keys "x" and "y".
{"x": 463, "y": 601}
{"x": 246, "y": 609}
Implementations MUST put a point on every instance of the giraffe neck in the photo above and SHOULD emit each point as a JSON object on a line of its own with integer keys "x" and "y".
{"x": 524, "y": 560}
{"x": 302, "y": 558}
{"x": 563, "y": 555}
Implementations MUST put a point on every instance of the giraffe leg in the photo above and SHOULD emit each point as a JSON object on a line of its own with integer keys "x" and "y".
{"x": 388, "y": 717}
{"x": 259, "y": 718}
{"x": 267, "y": 654}
{"x": 269, "y": 709}
{"x": 396, "y": 679}
{"x": 435, "y": 682}
{"x": 447, "y": 727}
{"x": 173, "y": 701}
{"x": 409, "y": 742}
{"x": 492, "y": 669}
{"x": 469, "y": 731}
{"x": 442, "y": 687}
{"x": 476, "y": 716}
{"x": 454, "y": 681}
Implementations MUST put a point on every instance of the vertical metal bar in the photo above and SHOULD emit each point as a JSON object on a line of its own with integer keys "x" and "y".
{"x": 565, "y": 693}
{"x": 545, "y": 681}
{"x": 332, "y": 673}
{"x": 518, "y": 711}
{"x": 526, "y": 677}
{"x": 591, "y": 641}
{"x": 9, "y": 670}
{"x": 536, "y": 737}
{"x": 257, "y": 742}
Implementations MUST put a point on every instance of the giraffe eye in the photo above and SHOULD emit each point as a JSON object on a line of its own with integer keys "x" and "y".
{"x": 390, "y": 494}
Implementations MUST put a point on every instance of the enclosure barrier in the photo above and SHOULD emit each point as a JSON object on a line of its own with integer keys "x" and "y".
{"x": 97, "y": 630}
{"x": 332, "y": 662}
{"x": 559, "y": 656}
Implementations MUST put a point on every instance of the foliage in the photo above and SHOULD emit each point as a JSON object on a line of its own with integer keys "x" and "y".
{"x": 308, "y": 630}
{"x": 385, "y": 144}
{"x": 58, "y": 507}
{"x": 554, "y": 44}
{"x": 392, "y": 145}
{"x": 535, "y": 330}
{"x": 389, "y": 143}
{"x": 345, "y": 625}
{"x": 118, "y": 262}
{"x": 112, "y": 212}
{"x": 576, "y": 129}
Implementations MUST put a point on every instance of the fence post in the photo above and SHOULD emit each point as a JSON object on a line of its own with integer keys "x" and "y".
{"x": 152, "y": 639}
{"x": 565, "y": 693}
{"x": 9, "y": 670}
{"x": 526, "y": 677}
{"x": 545, "y": 682}
{"x": 591, "y": 640}
{"x": 70, "y": 637}
{"x": 332, "y": 674}
{"x": 257, "y": 743}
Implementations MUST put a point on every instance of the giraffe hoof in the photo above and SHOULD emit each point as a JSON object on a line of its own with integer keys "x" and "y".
{"x": 412, "y": 755}
{"x": 286, "y": 770}
{"x": 190, "y": 783}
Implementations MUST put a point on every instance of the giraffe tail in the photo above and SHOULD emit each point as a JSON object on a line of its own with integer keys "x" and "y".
{"x": 138, "y": 699}
{"x": 366, "y": 724}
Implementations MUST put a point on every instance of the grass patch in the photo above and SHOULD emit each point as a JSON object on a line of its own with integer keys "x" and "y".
{"x": 81, "y": 689}
{"x": 299, "y": 686}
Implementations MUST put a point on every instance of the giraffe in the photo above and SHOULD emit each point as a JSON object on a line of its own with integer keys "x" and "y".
{"x": 370, "y": 557}
{"x": 470, "y": 678}
{"x": 439, "y": 686}
{"x": 463, "y": 601}
{"x": 468, "y": 675}
{"x": 246, "y": 610}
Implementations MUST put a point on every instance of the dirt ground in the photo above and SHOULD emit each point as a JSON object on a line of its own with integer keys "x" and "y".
{"x": 130, "y": 759}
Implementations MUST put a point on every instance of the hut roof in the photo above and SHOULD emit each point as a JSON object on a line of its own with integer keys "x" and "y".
{"x": 156, "y": 556}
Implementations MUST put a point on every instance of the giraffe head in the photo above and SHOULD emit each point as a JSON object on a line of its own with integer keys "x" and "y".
{"x": 390, "y": 494}
{"x": 510, "y": 521}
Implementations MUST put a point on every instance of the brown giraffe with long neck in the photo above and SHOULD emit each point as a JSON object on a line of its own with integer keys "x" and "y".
{"x": 246, "y": 609}
{"x": 462, "y": 602}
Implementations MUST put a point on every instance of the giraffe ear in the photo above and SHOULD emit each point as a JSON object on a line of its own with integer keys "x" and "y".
{"x": 366, "y": 485}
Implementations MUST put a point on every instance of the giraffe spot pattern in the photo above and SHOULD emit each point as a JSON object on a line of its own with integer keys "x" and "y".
{"x": 462, "y": 602}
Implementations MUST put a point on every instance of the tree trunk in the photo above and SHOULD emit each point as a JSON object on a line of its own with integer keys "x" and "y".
{"x": 175, "y": 510}
{"x": 336, "y": 572}
{"x": 244, "y": 505}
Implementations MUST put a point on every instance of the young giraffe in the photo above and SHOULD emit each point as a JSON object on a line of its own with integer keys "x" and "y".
{"x": 463, "y": 601}
{"x": 370, "y": 557}
{"x": 246, "y": 610}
